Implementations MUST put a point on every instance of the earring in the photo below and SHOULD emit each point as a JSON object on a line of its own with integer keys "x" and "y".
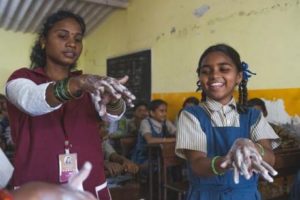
{"x": 199, "y": 87}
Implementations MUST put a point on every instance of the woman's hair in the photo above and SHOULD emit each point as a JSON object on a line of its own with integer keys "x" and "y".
{"x": 38, "y": 56}
{"x": 235, "y": 57}
{"x": 154, "y": 104}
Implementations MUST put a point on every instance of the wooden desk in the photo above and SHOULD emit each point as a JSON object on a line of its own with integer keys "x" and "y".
{"x": 130, "y": 190}
{"x": 162, "y": 155}
{"x": 287, "y": 161}
{"x": 154, "y": 157}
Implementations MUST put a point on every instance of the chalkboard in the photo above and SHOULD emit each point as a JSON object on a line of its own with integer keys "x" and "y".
{"x": 138, "y": 67}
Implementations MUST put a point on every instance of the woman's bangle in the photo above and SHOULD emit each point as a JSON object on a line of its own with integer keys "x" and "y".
{"x": 261, "y": 149}
{"x": 77, "y": 94}
{"x": 213, "y": 168}
{"x": 62, "y": 91}
{"x": 117, "y": 106}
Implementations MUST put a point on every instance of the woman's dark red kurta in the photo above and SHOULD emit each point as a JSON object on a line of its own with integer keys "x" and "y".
{"x": 40, "y": 139}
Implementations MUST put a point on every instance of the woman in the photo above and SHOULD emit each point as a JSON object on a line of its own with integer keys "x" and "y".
{"x": 53, "y": 109}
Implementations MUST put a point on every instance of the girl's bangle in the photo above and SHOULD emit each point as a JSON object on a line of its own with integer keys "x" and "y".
{"x": 213, "y": 168}
{"x": 261, "y": 149}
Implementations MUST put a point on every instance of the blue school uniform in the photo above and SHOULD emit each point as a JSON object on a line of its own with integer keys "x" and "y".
{"x": 139, "y": 154}
{"x": 219, "y": 142}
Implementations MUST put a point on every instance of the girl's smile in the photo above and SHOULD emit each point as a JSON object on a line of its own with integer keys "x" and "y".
{"x": 219, "y": 76}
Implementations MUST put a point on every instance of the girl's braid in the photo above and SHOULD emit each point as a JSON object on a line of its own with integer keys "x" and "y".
{"x": 243, "y": 96}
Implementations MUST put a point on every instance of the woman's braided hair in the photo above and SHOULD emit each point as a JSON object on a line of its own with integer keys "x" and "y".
{"x": 235, "y": 57}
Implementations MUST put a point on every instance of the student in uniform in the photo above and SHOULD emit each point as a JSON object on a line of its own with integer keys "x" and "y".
{"x": 227, "y": 145}
{"x": 155, "y": 129}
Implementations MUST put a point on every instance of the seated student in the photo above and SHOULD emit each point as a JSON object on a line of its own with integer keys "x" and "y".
{"x": 155, "y": 129}
{"x": 118, "y": 129}
{"x": 288, "y": 139}
{"x": 124, "y": 128}
{"x": 114, "y": 164}
{"x": 190, "y": 101}
{"x": 140, "y": 112}
{"x": 128, "y": 142}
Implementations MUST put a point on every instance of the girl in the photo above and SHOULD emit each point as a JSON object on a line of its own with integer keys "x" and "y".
{"x": 155, "y": 129}
{"x": 53, "y": 109}
{"x": 221, "y": 134}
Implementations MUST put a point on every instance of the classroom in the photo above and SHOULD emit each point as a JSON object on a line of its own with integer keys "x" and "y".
{"x": 174, "y": 34}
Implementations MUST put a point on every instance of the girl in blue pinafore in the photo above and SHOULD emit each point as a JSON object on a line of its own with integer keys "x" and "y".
{"x": 207, "y": 133}
{"x": 156, "y": 129}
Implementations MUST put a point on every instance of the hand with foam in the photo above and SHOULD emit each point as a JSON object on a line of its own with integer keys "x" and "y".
{"x": 106, "y": 90}
{"x": 244, "y": 158}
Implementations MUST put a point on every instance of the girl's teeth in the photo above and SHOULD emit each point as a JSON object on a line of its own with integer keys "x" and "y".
{"x": 216, "y": 84}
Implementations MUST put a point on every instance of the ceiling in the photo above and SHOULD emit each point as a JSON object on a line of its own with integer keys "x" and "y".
{"x": 27, "y": 15}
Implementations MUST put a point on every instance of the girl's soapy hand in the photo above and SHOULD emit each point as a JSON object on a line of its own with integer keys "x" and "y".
{"x": 244, "y": 158}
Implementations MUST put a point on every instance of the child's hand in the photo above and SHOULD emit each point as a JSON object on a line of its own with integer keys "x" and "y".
{"x": 130, "y": 167}
{"x": 113, "y": 168}
{"x": 262, "y": 167}
{"x": 245, "y": 159}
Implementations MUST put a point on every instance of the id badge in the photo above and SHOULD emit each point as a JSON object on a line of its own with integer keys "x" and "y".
{"x": 67, "y": 166}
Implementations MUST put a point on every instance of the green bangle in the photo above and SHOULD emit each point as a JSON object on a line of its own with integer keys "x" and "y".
{"x": 262, "y": 150}
{"x": 63, "y": 90}
{"x": 117, "y": 106}
{"x": 60, "y": 90}
{"x": 213, "y": 161}
{"x": 76, "y": 95}
{"x": 114, "y": 104}
{"x": 57, "y": 94}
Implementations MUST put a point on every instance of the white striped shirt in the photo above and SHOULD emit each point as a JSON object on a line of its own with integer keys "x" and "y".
{"x": 145, "y": 126}
{"x": 190, "y": 135}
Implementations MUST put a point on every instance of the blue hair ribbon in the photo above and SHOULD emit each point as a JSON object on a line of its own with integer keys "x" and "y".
{"x": 246, "y": 72}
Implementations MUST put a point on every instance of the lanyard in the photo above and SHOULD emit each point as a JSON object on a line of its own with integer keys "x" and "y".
{"x": 67, "y": 144}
